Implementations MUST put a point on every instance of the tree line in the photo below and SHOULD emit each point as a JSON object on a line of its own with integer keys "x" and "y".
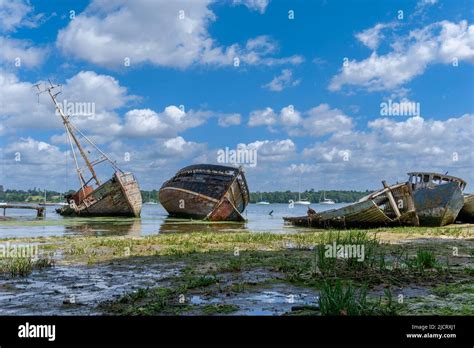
{"x": 311, "y": 195}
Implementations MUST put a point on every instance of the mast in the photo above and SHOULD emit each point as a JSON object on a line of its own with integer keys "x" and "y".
{"x": 70, "y": 128}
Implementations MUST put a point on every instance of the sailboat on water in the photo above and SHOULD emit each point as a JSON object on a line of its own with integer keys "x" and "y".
{"x": 326, "y": 201}
{"x": 118, "y": 196}
{"x": 262, "y": 202}
{"x": 301, "y": 201}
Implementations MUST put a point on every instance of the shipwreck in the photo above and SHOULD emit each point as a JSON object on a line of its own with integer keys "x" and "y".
{"x": 118, "y": 196}
{"x": 438, "y": 197}
{"x": 206, "y": 191}
{"x": 467, "y": 211}
{"x": 391, "y": 206}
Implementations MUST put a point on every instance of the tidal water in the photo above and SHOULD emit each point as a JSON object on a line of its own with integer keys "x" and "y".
{"x": 154, "y": 220}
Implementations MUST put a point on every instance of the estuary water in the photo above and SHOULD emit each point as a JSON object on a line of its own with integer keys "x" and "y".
{"x": 154, "y": 220}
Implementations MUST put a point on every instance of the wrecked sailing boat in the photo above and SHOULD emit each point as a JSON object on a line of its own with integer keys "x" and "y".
{"x": 119, "y": 196}
{"x": 467, "y": 212}
{"x": 438, "y": 197}
{"x": 206, "y": 191}
{"x": 391, "y": 206}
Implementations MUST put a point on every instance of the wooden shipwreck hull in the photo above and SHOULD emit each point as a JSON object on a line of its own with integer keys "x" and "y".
{"x": 467, "y": 211}
{"x": 119, "y": 196}
{"x": 438, "y": 198}
{"x": 388, "y": 207}
{"x": 205, "y": 191}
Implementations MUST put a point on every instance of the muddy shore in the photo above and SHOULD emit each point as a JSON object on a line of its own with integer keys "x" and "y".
{"x": 405, "y": 271}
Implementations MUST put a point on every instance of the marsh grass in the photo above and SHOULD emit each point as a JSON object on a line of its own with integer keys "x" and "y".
{"x": 336, "y": 299}
{"x": 23, "y": 266}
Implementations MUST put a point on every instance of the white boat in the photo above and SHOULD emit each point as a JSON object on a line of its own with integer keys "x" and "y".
{"x": 326, "y": 201}
{"x": 301, "y": 201}
{"x": 262, "y": 202}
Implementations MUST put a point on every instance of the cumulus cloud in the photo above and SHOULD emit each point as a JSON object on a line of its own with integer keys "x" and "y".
{"x": 441, "y": 42}
{"x": 255, "y": 5}
{"x": 15, "y": 14}
{"x": 371, "y": 37}
{"x": 272, "y": 150}
{"x": 227, "y": 120}
{"x": 105, "y": 34}
{"x": 317, "y": 121}
{"x": 20, "y": 53}
{"x": 265, "y": 117}
{"x": 282, "y": 81}
{"x": 169, "y": 122}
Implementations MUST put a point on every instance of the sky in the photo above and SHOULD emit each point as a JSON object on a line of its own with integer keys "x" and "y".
{"x": 313, "y": 88}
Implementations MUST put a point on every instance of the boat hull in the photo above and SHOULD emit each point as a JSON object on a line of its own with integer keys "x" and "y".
{"x": 372, "y": 211}
{"x": 119, "y": 196}
{"x": 207, "y": 192}
{"x": 467, "y": 211}
{"x": 439, "y": 205}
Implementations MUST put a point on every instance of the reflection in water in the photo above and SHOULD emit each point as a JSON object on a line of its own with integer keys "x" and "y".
{"x": 154, "y": 220}
{"x": 110, "y": 227}
{"x": 173, "y": 225}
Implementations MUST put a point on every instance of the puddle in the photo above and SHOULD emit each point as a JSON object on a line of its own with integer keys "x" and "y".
{"x": 273, "y": 299}
{"x": 77, "y": 290}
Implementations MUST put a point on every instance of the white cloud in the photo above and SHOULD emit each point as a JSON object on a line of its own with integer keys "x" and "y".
{"x": 105, "y": 34}
{"x": 441, "y": 42}
{"x": 20, "y": 53}
{"x": 255, "y": 5}
{"x": 284, "y": 80}
{"x": 146, "y": 122}
{"x": 227, "y": 120}
{"x": 272, "y": 150}
{"x": 15, "y": 14}
{"x": 265, "y": 117}
{"x": 317, "y": 121}
{"x": 371, "y": 37}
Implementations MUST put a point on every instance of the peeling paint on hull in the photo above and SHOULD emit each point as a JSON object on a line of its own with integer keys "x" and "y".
{"x": 467, "y": 212}
{"x": 206, "y": 192}
{"x": 439, "y": 205}
{"x": 119, "y": 196}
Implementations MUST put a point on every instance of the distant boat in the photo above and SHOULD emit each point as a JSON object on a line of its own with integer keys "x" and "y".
{"x": 301, "y": 201}
{"x": 438, "y": 197}
{"x": 262, "y": 202}
{"x": 326, "y": 201}
{"x": 206, "y": 191}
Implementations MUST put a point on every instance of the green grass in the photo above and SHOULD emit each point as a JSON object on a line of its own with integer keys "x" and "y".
{"x": 219, "y": 309}
{"x": 23, "y": 266}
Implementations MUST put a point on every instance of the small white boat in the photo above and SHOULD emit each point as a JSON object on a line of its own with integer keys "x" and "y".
{"x": 302, "y": 202}
{"x": 326, "y": 201}
{"x": 263, "y": 203}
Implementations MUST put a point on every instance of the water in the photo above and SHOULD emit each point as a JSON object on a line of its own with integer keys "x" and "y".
{"x": 154, "y": 220}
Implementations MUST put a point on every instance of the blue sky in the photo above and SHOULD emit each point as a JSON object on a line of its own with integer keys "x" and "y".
{"x": 336, "y": 137}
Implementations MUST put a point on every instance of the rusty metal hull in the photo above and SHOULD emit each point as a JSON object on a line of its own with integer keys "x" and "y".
{"x": 467, "y": 211}
{"x": 438, "y": 205}
{"x": 373, "y": 210}
{"x": 120, "y": 196}
{"x": 208, "y": 192}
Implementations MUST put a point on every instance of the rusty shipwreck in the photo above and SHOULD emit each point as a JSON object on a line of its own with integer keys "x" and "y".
{"x": 466, "y": 214}
{"x": 118, "y": 196}
{"x": 206, "y": 191}
{"x": 391, "y": 206}
{"x": 438, "y": 197}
